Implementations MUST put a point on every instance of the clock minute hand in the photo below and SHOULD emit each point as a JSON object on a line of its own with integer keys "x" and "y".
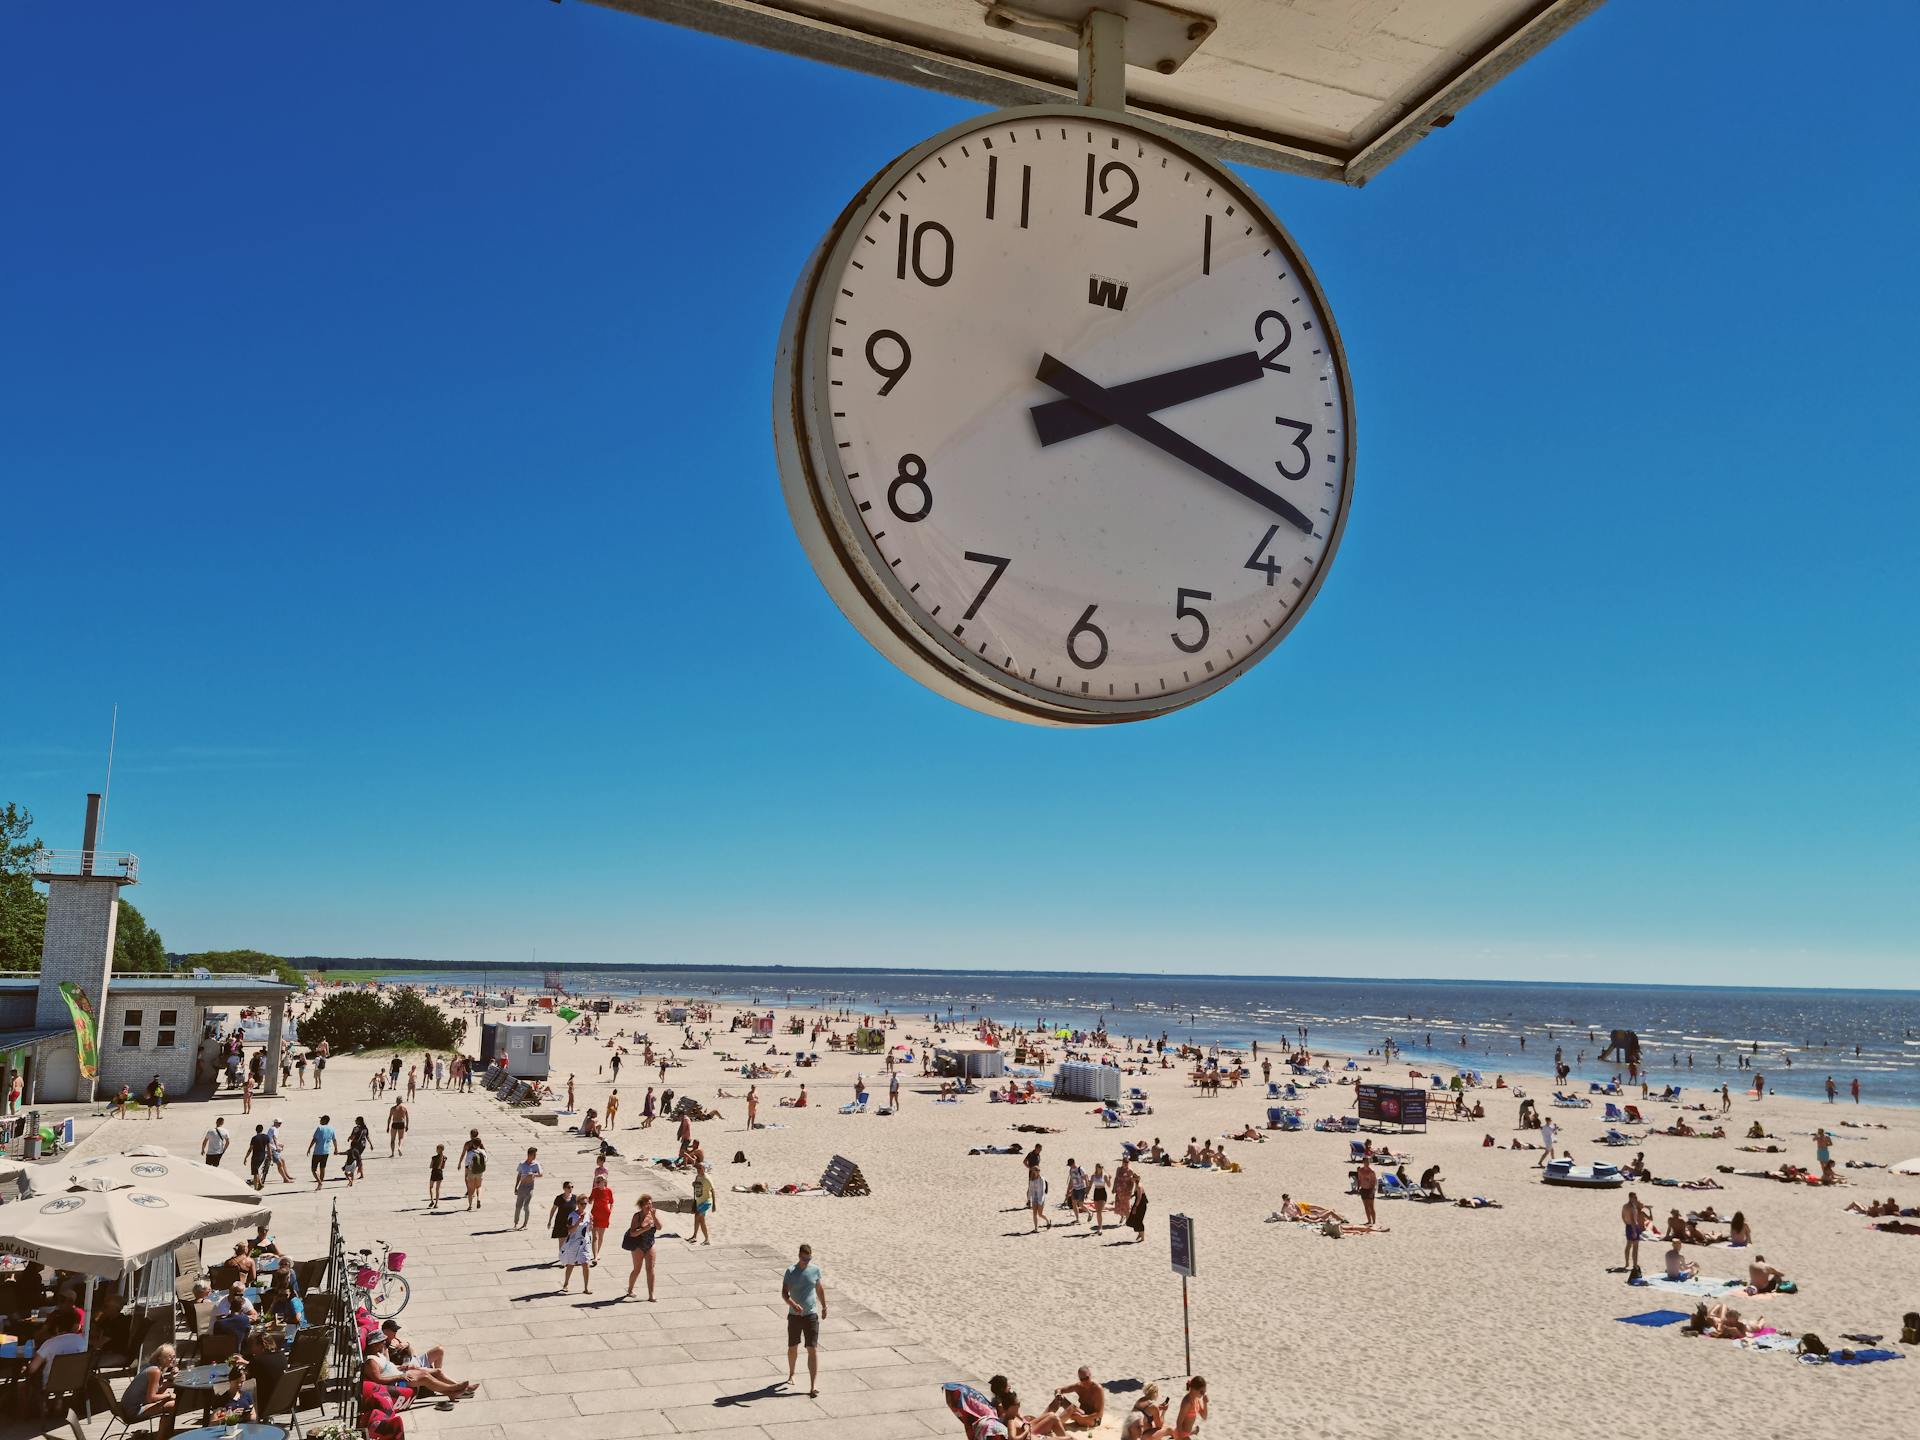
{"x": 1057, "y": 420}
{"x": 1103, "y": 402}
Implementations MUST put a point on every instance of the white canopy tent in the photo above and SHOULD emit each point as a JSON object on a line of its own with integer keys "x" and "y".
{"x": 145, "y": 1167}
{"x": 1907, "y": 1167}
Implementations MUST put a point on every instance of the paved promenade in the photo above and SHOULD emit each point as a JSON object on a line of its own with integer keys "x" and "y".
{"x": 707, "y": 1358}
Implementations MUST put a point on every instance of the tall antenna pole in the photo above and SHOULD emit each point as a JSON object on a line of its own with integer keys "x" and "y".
{"x": 106, "y": 795}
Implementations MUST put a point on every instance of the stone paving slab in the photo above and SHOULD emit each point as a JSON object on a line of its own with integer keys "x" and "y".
{"x": 708, "y": 1358}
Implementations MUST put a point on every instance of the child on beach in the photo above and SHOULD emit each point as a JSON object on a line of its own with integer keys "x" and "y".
{"x": 436, "y": 1176}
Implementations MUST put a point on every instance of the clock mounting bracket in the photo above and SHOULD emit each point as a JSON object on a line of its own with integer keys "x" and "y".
{"x": 1109, "y": 37}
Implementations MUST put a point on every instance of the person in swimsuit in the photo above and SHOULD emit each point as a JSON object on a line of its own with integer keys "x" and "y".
{"x": 641, "y": 1232}
{"x": 436, "y": 1176}
{"x": 1634, "y": 1217}
{"x": 397, "y": 1130}
{"x": 1193, "y": 1409}
{"x": 1098, "y": 1187}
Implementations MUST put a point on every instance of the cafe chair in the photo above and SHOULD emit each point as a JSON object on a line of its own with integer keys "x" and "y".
{"x": 283, "y": 1399}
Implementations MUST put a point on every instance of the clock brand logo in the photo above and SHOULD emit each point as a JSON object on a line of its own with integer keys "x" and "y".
{"x": 1110, "y": 293}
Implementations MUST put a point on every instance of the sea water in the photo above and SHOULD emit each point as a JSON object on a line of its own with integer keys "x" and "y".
{"x": 1803, "y": 1035}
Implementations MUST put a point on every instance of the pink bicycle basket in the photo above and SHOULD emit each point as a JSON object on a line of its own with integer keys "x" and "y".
{"x": 366, "y": 1277}
{"x": 396, "y": 1259}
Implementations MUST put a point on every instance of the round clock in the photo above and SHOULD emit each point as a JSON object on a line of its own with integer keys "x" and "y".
{"x": 1063, "y": 419}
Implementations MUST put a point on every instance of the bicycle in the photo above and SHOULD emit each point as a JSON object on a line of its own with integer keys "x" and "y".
{"x": 378, "y": 1284}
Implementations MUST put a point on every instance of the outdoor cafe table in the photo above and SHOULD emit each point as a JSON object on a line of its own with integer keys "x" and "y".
{"x": 203, "y": 1377}
{"x": 244, "y": 1432}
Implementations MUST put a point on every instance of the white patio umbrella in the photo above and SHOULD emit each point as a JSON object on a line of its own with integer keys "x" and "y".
{"x": 101, "y": 1228}
{"x": 145, "y": 1167}
{"x": 1907, "y": 1167}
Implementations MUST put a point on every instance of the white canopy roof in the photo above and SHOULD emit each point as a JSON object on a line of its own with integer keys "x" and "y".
{"x": 146, "y": 1167}
{"x": 1907, "y": 1167}
{"x": 110, "y": 1230}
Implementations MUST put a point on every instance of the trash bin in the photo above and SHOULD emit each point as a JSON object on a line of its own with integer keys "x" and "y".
{"x": 30, "y": 1149}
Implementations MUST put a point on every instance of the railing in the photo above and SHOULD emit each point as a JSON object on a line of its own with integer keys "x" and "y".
{"x": 346, "y": 1332}
{"x": 117, "y": 864}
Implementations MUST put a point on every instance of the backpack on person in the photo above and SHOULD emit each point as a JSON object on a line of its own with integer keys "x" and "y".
{"x": 477, "y": 1163}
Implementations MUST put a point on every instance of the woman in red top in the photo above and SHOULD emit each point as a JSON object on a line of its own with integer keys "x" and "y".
{"x": 601, "y": 1202}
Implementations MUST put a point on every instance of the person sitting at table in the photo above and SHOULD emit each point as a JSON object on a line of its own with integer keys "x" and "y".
{"x": 282, "y": 1303}
{"x": 234, "y": 1313}
{"x": 67, "y": 1294}
{"x": 65, "y": 1340}
{"x": 262, "y": 1243}
{"x": 255, "y": 1373}
{"x": 150, "y": 1394}
{"x": 381, "y": 1370}
{"x": 248, "y": 1267}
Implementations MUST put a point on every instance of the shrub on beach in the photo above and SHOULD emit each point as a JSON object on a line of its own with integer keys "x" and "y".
{"x": 361, "y": 1020}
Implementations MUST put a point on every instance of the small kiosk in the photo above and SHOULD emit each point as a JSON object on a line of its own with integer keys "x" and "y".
{"x": 526, "y": 1049}
{"x": 969, "y": 1060}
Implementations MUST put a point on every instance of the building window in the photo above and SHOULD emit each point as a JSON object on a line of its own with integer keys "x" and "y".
{"x": 130, "y": 1029}
{"x": 539, "y": 1044}
{"x": 169, "y": 1023}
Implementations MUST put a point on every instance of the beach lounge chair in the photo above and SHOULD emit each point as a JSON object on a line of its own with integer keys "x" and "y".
{"x": 1140, "y": 1106}
{"x": 1112, "y": 1119}
{"x": 1612, "y": 1114}
{"x": 1634, "y": 1117}
{"x": 1273, "y": 1090}
{"x": 854, "y": 1107}
{"x": 1614, "y": 1137}
{"x": 1578, "y": 1102}
{"x": 1131, "y": 1151}
{"x": 1392, "y": 1189}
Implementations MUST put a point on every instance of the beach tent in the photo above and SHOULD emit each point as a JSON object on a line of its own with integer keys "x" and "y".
{"x": 869, "y": 1042}
{"x": 1907, "y": 1167}
{"x": 763, "y": 1025}
{"x": 147, "y": 1167}
{"x": 969, "y": 1059}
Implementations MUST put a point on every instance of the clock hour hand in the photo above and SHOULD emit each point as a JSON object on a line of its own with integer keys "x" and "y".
{"x": 1104, "y": 403}
{"x": 1058, "y": 420}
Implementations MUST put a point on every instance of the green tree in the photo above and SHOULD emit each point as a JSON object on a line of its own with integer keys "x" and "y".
{"x": 362, "y": 1019}
{"x": 136, "y": 945}
{"x": 23, "y": 910}
{"x": 246, "y": 962}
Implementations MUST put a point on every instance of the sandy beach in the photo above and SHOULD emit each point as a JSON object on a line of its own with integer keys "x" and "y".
{"x": 1445, "y": 1322}
{"x": 1449, "y": 1320}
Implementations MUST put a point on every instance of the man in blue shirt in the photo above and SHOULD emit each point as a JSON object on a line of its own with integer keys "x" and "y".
{"x": 321, "y": 1147}
{"x": 806, "y": 1301}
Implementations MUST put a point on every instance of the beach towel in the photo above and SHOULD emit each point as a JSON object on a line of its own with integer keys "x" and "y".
{"x": 1654, "y": 1318}
{"x": 1772, "y": 1340}
{"x": 1861, "y": 1357}
{"x": 1713, "y": 1289}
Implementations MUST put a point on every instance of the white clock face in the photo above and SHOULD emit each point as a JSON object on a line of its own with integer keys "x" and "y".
{"x": 1073, "y": 419}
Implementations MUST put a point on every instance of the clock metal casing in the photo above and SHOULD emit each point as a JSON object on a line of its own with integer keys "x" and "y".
{"x": 827, "y": 510}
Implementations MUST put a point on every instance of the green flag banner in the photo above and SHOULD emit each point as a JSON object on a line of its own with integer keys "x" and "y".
{"x": 567, "y": 1014}
{"x": 85, "y": 1037}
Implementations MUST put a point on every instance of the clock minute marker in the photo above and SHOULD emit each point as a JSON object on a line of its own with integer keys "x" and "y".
{"x": 1101, "y": 401}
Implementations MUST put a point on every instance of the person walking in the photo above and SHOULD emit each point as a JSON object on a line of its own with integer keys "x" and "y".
{"x": 613, "y": 1108}
{"x": 646, "y": 1110}
{"x": 806, "y": 1298}
{"x": 642, "y": 1230}
{"x": 320, "y": 1148}
{"x": 1036, "y": 1189}
{"x": 1549, "y": 1132}
{"x": 599, "y": 1212}
{"x": 246, "y": 1094}
{"x": 703, "y": 1201}
{"x": 1137, "y": 1215}
{"x": 436, "y": 1176}
{"x": 1833, "y": 1090}
{"x": 396, "y": 1129}
{"x": 560, "y": 1216}
{"x": 473, "y": 1163}
{"x": 279, "y": 1152}
{"x": 259, "y": 1157}
{"x": 213, "y": 1145}
{"x": 525, "y": 1176}
{"x": 1855, "y": 1088}
{"x": 753, "y": 1106}
{"x": 576, "y": 1250}
{"x": 893, "y": 1090}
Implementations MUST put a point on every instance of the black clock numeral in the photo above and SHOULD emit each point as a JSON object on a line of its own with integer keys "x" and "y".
{"x": 913, "y": 244}
{"x": 993, "y": 184}
{"x": 1099, "y": 173}
{"x": 892, "y": 373}
{"x": 1258, "y": 561}
{"x": 999, "y": 564}
{"x": 912, "y": 476}
{"x": 1184, "y": 611}
{"x": 1085, "y": 626}
{"x": 1302, "y": 432}
{"x": 1267, "y": 361}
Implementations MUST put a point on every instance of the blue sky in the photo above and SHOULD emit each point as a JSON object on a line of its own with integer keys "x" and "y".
{"x": 384, "y": 427}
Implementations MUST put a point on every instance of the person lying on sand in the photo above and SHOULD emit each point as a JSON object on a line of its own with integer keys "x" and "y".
{"x": 1888, "y": 1206}
{"x": 1723, "y": 1322}
{"x": 1249, "y": 1134}
{"x": 1306, "y": 1212}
